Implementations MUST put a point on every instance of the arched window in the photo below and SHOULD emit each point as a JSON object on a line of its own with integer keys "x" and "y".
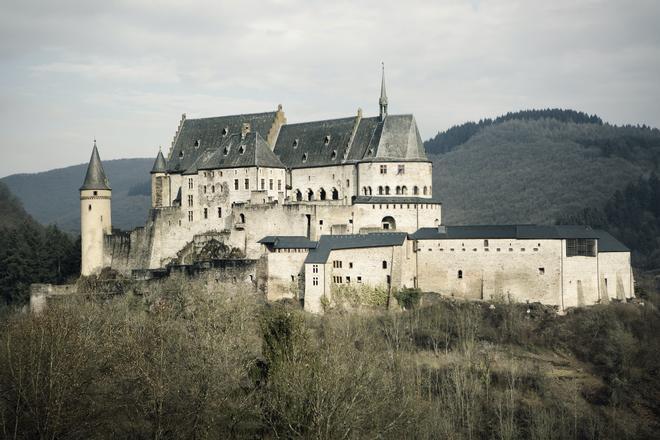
{"x": 388, "y": 223}
{"x": 241, "y": 218}
{"x": 460, "y": 274}
{"x": 364, "y": 190}
{"x": 398, "y": 190}
{"x": 384, "y": 264}
{"x": 415, "y": 190}
{"x": 370, "y": 192}
{"x": 321, "y": 194}
{"x": 298, "y": 195}
{"x": 404, "y": 190}
{"x": 310, "y": 194}
{"x": 387, "y": 190}
{"x": 380, "y": 190}
{"x": 335, "y": 194}
{"x": 424, "y": 190}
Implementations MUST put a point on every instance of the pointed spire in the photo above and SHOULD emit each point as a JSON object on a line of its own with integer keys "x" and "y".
{"x": 382, "y": 102}
{"x": 95, "y": 177}
{"x": 160, "y": 166}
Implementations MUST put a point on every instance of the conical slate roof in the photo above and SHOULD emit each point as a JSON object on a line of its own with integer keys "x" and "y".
{"x": 159, "y": 165}
{"x": 95, "y": 177}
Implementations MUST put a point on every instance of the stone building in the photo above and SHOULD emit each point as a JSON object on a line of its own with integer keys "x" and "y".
{"x": 333, "y": 202}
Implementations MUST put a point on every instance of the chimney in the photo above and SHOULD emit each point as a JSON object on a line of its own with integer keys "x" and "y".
{"x": 442, "y": 229}
{"x": 245, "y": 129}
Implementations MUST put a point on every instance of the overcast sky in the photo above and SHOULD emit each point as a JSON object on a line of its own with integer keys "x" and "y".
{"x": 124, "y": 71}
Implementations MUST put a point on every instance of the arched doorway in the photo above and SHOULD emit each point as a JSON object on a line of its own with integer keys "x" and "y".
{"x": 388, "y": 223}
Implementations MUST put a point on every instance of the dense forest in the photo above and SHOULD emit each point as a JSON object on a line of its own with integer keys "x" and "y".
{"x": 632, "y": 215}
{"x": 31, "y": 253}
{"x": 175, "y": 360}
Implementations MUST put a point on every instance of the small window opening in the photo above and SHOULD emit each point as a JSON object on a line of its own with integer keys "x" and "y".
{"x": 326, "y": 140}
{"x": 384, "y": 264}
{"x": 304, "y": 157}
{"x": 541, "y": 270}
{"x": 460, "y": 274}
{"x": 225, "y": 131}
{"x": 295, "y": 143}
{"x": 89, "y": 208}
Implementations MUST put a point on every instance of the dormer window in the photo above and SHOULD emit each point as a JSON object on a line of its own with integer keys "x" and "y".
{"x": 242, "y": 149}
{"x": 326, "y": 140}
{"x": 370, "y": 152}
{"x": 295, "y": 143}
{"x": 225, "y": 131}
{"x": 333, "y": 156}
{"x": 304, "y": 157}
{"x": 198, "y": 142}
{"x": 181, "y": 154}
{"x": 226, "y": 150}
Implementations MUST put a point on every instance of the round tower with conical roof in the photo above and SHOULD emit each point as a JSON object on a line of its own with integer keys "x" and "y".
{"x": 160, "y": 183}
{"x": 95, "y": 215}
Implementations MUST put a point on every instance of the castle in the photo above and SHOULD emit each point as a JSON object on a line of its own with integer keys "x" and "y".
{"x": 302, "y": 210}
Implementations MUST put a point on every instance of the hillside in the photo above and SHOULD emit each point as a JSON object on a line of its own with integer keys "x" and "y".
{"x": 535, "y": 171}
{"x": 51, "y": 197}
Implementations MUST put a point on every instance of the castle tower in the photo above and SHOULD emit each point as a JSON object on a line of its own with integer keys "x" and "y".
{"x": 382, "y": 102}
{"x": 95, "y": 215}
{"x": 160, "y": 183}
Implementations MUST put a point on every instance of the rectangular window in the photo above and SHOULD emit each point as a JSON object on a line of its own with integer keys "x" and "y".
{"x": 270, "y": 184}
{"x": 359, "y": 279}
{"x": 247, "y": 183}
{"x": 190, "y": 183}
{"x": 315, "y": 281}
{"x": 190, "y": 216}
{"x": 582, "y": 247}
{"x": 315, "y": 268}
{"x": 263, "y": 184}
{"x": 541, "y": 270}
{"x": 190, "y": 200}
{"x": 348, "y": 280}
{"x": 401, "y": 169}
{"x": 485, "y": 243}
{"x": 383, "y": 169}
{"x": 337, "y": 264}
{"x": 206, "y": 213}
{"x": 235, "y": 183}
{"x": 279, "y": 185}
{"x": 219, "y": 212}
{"x": 350, "y": 265}
{"x": 204, "y": 189}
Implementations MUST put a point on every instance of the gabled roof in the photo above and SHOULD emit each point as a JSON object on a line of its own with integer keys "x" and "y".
{"x": 95, "y": 177}
{"x": 607, "y": 243}
{"x": 338, "y": 141}
{"x": 238, "y": 151}
{"x": 288, "y": 242}
{"x": 160, "y": 166}
{"x": 328, "y": 243}
{"x": 198, "y": 135}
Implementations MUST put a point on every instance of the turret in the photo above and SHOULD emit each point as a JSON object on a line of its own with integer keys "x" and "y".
{"x": 160, "y": 183}
{"x": 95, "y": 215}
{"x": 382, "y": 102}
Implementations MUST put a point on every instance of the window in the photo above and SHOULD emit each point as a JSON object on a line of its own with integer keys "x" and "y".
{"x": 96, "y": 193}
{"x": 583, "y": 247}
{"x": 190, "y": 200}
{"x": 204, "y": 189}
{"x": 388, "y": 279}
{"x": 247, "y": 183}
{"x": 350, "y": 265}
{"x": 383, "y": 169}
{"x": 225, "y": 131}
{"x": 384, "y": 264}
{"x": 89, "y": 208}
{"x": 333, "y": 156}
{"x": 235, "y": 183}
{"x": 401, "y": 169}
{"x": 295, "y": 143}
{"x": 315, "y": 281}
{"x": 279, "y": 185}
{"x": 241, "y": 218}
{"x": 348, "y": 280}
{"x": 304, "y": 157}
{"x": 226, "y": 150}
{"x": 359, "y": 279}
{"x": 315, "y": 268}
{"x": 387, "y": 190}
{"x": 348, "y": 183}
{"x": 219, "y": 212}
{"x": 541, "y": 270}
{"x": 263, "y": 184}
{"x": 380, "y": 190}
{"x": 213, "y": 188}
{"x": 190, "y": 184}
{"x": 337, "y": 279}
{"x": 337, "y": 264}
{"x": 326, "y": 140}
{"x": 460, "y": 274}
{"x": 190, "y": 216}
{"x": 485, "y": 243}
{"x": 321, "y": 222}
{"x": 270, "y": 184}
{"x": 206, "y": 213}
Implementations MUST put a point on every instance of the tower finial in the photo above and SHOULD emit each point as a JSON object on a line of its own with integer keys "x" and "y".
{"x": 382, "y": 102}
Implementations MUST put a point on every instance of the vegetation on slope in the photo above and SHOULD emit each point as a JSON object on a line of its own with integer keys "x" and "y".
{"x": 52, "y": 197}
{"x": 177, "y": 361}
{"x": 31, "y": 253}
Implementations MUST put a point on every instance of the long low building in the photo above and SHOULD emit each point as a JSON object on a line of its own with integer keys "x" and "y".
{"x": 563, "y": 266}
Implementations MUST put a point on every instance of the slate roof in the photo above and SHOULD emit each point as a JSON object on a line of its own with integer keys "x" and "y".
{"x": 288, "y": 242}
{"x": 235, "y": 152}
{"x": 394, "y": 200}
{"x": 95, "y": 177}
{"x": 198, "y": 135}
{"x": 331, "y": 142}
{"x": 160, "y": 166}
{"x": 607, "y": 243}
{"x": 504, "y": 231}
{"x": 328, "y": 243}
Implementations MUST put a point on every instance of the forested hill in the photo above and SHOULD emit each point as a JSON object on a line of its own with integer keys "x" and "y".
{"x": 31, "y": 253}
{"x": 446, "y": 141}
{"x": 52, "y": 197}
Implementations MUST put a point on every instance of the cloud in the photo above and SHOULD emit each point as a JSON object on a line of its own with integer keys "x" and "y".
{"x": 126, "y": 70}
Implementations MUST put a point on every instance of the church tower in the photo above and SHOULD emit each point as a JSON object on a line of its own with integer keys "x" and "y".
{"x": 95, "y": 215}
{"x": 382, "y": 102}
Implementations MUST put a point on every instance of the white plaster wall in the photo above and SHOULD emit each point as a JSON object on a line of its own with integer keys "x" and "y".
{"x": 615, "y": 275}
{"x": 341, "y": 177}
{"x": 409, "y": 217}
{"x": 95, "y": 222}
{"x": 314, "y": 294}
{"x": 286, "y": 272}
{"x": 510, "y": 272}
{"x": 416, "y": 174}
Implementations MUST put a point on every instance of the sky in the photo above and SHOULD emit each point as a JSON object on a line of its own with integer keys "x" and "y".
{"x": 123, "y": 72}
